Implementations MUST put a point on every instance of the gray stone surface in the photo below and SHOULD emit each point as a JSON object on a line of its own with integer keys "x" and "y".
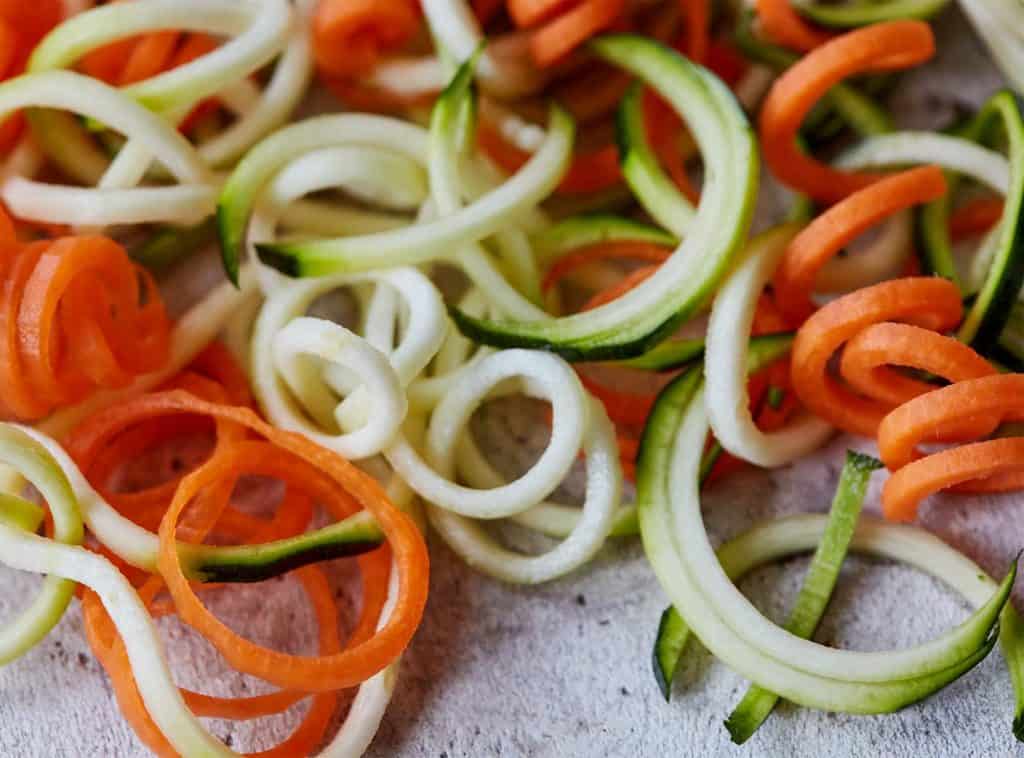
{"x": 563, "y": 669}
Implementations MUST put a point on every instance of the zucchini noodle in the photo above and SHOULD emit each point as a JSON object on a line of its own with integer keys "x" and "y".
{"x": 305, "y": 342}
{"x": 863, "y": 12}
{"x": 302, "y": 402}
{"x": 365, "y": 214}
{"x": 188, "y": 203}
{"x": 434, "y": 240}
{"x": 641, "y": 318}
{"x": 390, "y": 173}
{"x": 654, "y": 189}
{"x": 1005, "y": 276}
{"x": 376, "y": 175}
{"x": 784, "y": 537}
{"x": 19, "y": 451}
{"x": 163, "y": 700}
{"x": 259, "y": 31}
{"x": 799, "y": 670}
{"x": 455, "y": 357}
{"x": 955, "y": 154}
{"x": 275, "y": 105}
{"x": 952, "y": 153}
{"x": 449, "y": 126}
{"x": 604, "y": 481}
{"x": 1000, "y": 23}
{"x": 306, "y": 399}
{"x": 245, "y": 187}
{"x": 72, "y": 499}
{"x": 458, "y": 36}
{"x": 725, "y": 364}
{"x": 546, "y": 376}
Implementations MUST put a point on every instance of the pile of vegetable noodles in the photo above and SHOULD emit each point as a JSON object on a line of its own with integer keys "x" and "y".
{"x": 583, "y": 187}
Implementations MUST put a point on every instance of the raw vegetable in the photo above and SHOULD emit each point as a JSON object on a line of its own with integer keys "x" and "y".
{"x": 824, "y": 237}
{"x": 929, "y": 306}
{"x": 642, "y": 318}
{"x": 86, "y": 290}
{"x": 780, "y": 538}
{"x": 816, "y": 590}
{"x": 653, "y": 189}
{"x": 864, "y": 12}
{"x": 677, "y": 546}
{"x": 881, "y": 47}
{"x": 726, "y": 362}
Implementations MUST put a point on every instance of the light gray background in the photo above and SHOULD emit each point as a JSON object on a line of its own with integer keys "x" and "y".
{"x": 564, "y": 669}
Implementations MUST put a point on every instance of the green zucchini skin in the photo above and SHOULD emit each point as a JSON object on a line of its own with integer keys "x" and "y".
{"x": 593, "y": 229}
{"x": 485, "y": 333}
{"x": 1010, "y": 350}
{"x": 275, "y": 257}
{"x": 673, "y": 633}
{"x": 653, "y": 188}
{"x": 355, "y": 535}
{"x": 818, "y": 585}
{"x": 864, "y": 12}
{"x": 669, "y": 644}
{"x": 727, "y": 139}
{"x": 933, "y": 238}
{"x": 990, "y": 312}
{"x": 675, "y": 354}
{"x": 932, "y": 232}
{"x": 970, "y": 642}
{"x": 669, "y": 355}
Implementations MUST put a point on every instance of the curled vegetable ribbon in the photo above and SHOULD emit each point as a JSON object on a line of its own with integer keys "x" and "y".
{"x": 135, "y": 59}
{"x": 117, "y": 619}
{"x": 214, "y": 375}
{"x": 76, "y": 315}
{"x": 197, "y": 504}
{"x": 350, "y": 36}
{"x": 22, "y": 25}
{"x": 781, "y": 24}
{"x": 977, "y": 404}
{"x": 895, "y": 323}
{"x": 830, "y": 232}
{"x": 881, "y": 47}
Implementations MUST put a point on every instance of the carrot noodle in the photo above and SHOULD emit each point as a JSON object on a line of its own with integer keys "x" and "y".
{"x": 22, "y": 25}
{"x": 76, "y": 315}
{"x": 824, "y": 237}
{"x": 975, "y": 217}
{"x": 555, "y": 39}
{"x": 196, "y": 503}
{"x": 350, "y": 36}
{"x": 867, "y": 389}
{"x": 987, "y": 466}
{"x": 784, "y": 26}
{"x": 881, "y": 47}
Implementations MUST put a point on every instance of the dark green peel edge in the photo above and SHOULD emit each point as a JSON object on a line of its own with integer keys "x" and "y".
{"x": 355, "y": 535}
